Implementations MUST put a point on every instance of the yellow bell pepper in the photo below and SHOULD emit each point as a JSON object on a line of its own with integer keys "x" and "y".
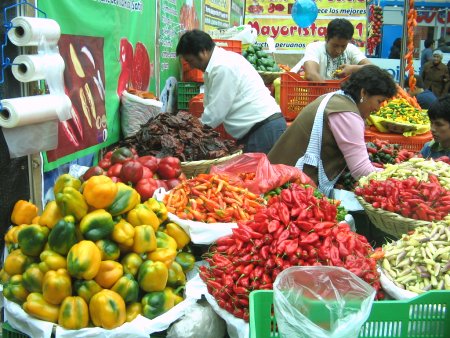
{"x": 100, "y": 191}
{"x": 107, "y": 309}
{"x": 32, "y": 239}
{"x": 97, "y": 224}
{"x": 158, "y": 208}
{"x": 51, "y": 215}
{"x": 144, "y": 239}
{"x": 23, "y": 212}
{"x": 109, "y": 249}
{"x": 33, "y": 278}
{"x": 66, "y": 180}
{"x": 131, "y": 263}
{"x": 51, "y": 260}
{"x": 152, "y": 276}
{"x": 178, "y": 234}
{"x": 56, "y": 286}
{"x": 126, "y": 199}
{"x": 156, "y": 303}
{"x": 38, "y": 307}
{"x": 71, "y": 202}
{"x": 186, "y": 260}
{"x": 176, "y": 275}
{"x": 11, "y": 237}
{"x": 17, "y": 262}
{"x": 74, "y": 313}
{"x": 164, "y": 255}
{"x": 35, "y": 220}
{"x": 163, "y": 240}
{"x": 4, "y": 277}
{"x": 133, "y": 310}
{"x": 123, "y": 234}
{"x": 14, "y": 290}
{"x": 86, "y": 288}
{"x": 141, "y": 215}
{"x": 127, "y": 287}
{"x": 108, "y": 273}
{"x": 83, "y": 260}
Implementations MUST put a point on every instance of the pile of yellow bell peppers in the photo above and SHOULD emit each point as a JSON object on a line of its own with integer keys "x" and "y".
{"x": 95, "y": 256}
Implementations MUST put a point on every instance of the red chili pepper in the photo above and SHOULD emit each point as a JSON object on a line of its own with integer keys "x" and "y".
{"x": 310, "y": 239}
{"x": 334, "y": 256}
{"x": 273, "y": 226}
{"x": 265, "y": 252}
{"x": 283, "y": 236}
{"x": 291, "y": 246}
{"x": 284, "y": 214}
{"x": 305, "y": 226}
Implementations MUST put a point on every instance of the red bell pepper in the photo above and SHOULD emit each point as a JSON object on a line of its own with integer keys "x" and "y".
{"x": 131, "y": 171}
{"x": 146, "y": 187}
{"x": 169, "y": 167}
{"x": 121, "y": 155}
{"x": 151, "y": 162}
{"x": 93, "y": 171}
{"x": 114, "y": 170}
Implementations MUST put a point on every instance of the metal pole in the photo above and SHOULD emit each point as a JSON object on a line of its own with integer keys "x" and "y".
{"x": 404, "y": 38}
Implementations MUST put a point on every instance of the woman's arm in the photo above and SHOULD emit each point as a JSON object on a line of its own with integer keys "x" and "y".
{"x": 348, "y": 131}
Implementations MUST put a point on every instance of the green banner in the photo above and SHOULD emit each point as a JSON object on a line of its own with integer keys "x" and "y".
{"x": 108, "y": 46}
{"x": 237, "y": 12}
{"x": 175, "y": 17}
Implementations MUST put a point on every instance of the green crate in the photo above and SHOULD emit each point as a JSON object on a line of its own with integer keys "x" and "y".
{"x": 9, "y": 332}
{"x": 423, "y": 316}
{"x": 186, "y": 91}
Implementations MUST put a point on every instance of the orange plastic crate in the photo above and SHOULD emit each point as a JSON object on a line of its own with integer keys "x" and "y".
{"x": 412, "y": 143}
{"x": 296, "y": 93}
{"x": 196, "y": 109}
{"x": 190, "y": 74}
{"x": 230, "y": 45}
{"x": 195, "y": 75}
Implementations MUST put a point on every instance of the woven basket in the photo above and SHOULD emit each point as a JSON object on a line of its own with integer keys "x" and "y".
{"x": 193, "y": 168}
{"x": 269, "y": 77}
{"x": 390, "y": 222}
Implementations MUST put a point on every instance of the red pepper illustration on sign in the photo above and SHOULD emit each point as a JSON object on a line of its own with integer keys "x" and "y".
{"x": 136, "y": 67}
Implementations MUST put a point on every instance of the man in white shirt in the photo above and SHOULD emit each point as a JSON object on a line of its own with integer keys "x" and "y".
{"x": 235, "y": 94}
{"x": 333, "y": 58}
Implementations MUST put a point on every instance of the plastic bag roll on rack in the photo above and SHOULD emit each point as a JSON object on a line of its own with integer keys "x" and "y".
{"x": 30, "y": 124}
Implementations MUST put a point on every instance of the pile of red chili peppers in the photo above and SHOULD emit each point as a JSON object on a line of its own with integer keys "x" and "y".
{"x": 296, "y": 228}
{"x": 427, "y": 201}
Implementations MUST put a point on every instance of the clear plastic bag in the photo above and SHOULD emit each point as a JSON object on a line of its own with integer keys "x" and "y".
{"x": 267, "y": 176}
{"x": 321, "y": 302}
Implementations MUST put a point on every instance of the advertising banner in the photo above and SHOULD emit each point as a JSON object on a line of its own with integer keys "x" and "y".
{"x": 175, "y": 17}
{"x": 274, "y": 19}
{"x": 108, "y": 46}
{"x": 217, "y": 14}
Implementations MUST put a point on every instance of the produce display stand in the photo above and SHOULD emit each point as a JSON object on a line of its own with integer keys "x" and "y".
{"x": 296, "y": 92}
{"x": 426, "y": 315}
{"x": 413, "y": 143}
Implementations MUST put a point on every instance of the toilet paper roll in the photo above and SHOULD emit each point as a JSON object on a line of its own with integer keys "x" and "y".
{"x": 27, "y": 68}
{"x": 23, "y": 111}
{"x": 28, "y": 31}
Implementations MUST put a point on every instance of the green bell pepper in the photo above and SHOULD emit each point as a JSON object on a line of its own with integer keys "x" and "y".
{"x": 63, "y": 235}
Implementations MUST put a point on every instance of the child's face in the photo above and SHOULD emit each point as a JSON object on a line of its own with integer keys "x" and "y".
{"x": 440, "y": 128}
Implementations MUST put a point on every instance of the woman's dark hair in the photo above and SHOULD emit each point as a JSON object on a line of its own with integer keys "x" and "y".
{"x": 341, "y": 28}
{"x": 440, "y": 109}
{"x": 193, "y": 42}
{"x": 373, "y": 79}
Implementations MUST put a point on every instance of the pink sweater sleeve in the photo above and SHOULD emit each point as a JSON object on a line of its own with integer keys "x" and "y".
{"x": 348, "y": 131}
